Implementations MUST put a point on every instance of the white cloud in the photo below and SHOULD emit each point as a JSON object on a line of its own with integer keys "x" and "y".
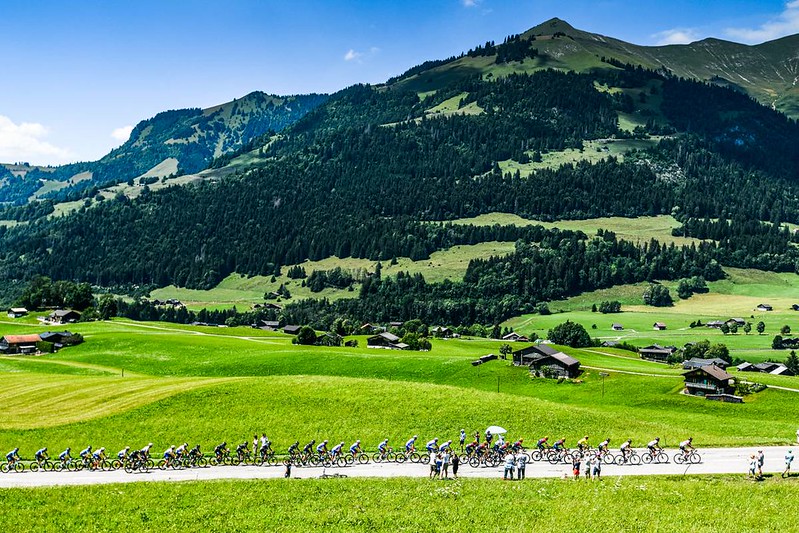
{"x": 122, "y": 134}
{"x": 24, "y": 142}
{"x": 675, "y": 36}
{"x": 786, "y": 23}
{"x": 354, "y": 55}
{"x": 470, "y": 3}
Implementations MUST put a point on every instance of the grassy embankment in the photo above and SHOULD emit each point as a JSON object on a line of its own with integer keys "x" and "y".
{"x": 708, "y": 504}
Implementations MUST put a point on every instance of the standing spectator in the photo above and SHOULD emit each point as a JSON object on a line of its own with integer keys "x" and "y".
{"x": 598, "y": 466}
{"x": 576, "y": 462}
{"x": 456, "y": 461}
{"x": 439, "y": 464}
{"x": 760, "y": 460}
{"x": 788, "y": 461}
{"x": 432, "y": 466}
{"x": 489, "y": 437}
{"x": 521, "y": 464}
{"x": 510, "y": 463}
{"x": 477, "y": 436}
{"x": 589, "y": 464}
{"x": 752, "y": 466}
{"x": 445, "y": 458}
{"x": 462, "y": 438}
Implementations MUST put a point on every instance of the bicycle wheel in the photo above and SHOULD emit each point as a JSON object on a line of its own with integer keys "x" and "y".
{"x": 474, "y": 462}
{"x": 619, "y": 460}
{"x": 695, "y": 458}
{"x": 363, "y": 459}
{"x": 34, "y": 467}
{"x": 161, "y": 465}
{"x": 679, "y": 458}
{"x": 635, "y": 460}
{"x": 647, "y": 459}
{"x": 662, "y": 458}
{"x": 553, "y": 458}
{"x": 400, "y": 458}
{"x": 608, "y": 458}
{"x": 415, "y": 457}
{"x": 424, "y": 458}
{"x": 116, "y": 464}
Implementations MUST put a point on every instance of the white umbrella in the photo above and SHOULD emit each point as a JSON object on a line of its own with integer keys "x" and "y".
{"x": 496, "y": 430}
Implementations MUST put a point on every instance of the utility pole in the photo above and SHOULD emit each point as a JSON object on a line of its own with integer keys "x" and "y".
{"x": 603, "y": 375}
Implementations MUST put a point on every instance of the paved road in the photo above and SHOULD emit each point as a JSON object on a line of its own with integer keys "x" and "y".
{"x": 714, "y": 461}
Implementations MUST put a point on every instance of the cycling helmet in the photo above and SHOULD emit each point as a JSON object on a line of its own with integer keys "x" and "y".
{"x": 358, "y": 441}
{"x": 415, "y": 436}
{"x": 521, "y": 440}
{"x": 325, "y": 441}
{"x": 585, "y": 437}
{"x": 185, "y": 444}
{"x": 100, "y": 450}
{"x": 435, "y": 439}
{"x": 87, "y": 447}
{"x": 342, "y": 443}
{"x": 45, "y": 448}
{"x": 68, "y": 448}
{"x": 126, "y": 448}
{"x": 150, "y": 444}
{"x": 224, "y": 443}
{"x": 657, "y": 438}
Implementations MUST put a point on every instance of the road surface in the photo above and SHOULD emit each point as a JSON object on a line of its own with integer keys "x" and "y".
{"x": 714, "y": 461}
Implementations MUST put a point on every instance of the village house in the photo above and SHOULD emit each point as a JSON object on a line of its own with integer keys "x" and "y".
{"x": 386, "y": 340}
{"x": 515, "y": 337}
{"x": 270, "y": 305}
{"x": 329, "y": 339}
{"x": 764, "y": 307}
{"x": 19, "y": 344}
{"x": 777, "y": 369}
{"x": 543, "y": 358}
{"x": 715, "y": 324}
{"x": 17, "y": 312}
{"x": 697, "y": 362}
{"x": 63, "y": 316}
{"x": 656, "y": 352}
{"x": 291, "y": 330}
{"x": 708, "y": 380}
{"x": 441, "y": 332}
{"x": 659, "y": 326}
{"x": 617, "y": 327}
{"x": 269, "y": 325}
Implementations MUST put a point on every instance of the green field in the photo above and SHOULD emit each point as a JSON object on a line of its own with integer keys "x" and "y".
{"x": 677, "y": 504}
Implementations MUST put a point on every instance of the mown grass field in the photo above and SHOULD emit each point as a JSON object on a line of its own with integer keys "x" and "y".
{"x": 716, "y": 504}
{"x": 209, "y": 384}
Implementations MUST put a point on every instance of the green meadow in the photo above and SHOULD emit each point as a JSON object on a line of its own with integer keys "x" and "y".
{"x": 716, "y": 504}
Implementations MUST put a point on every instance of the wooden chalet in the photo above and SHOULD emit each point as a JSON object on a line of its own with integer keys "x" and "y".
{"x": 291, "y": 330}
{"x": 764, "y": 307}
{"x": 697, "y": 362}
{"x": 329, "y": 339}
{"x": 515, "y": 337}
{"x": 269, "y": 325}
{"x": 63, "y": 316}
{"x": 17, "y": 312}
{"x": 19, "y": 344}
{"x": 542, "y": 357}
{"x": 715, "y": 324}
{"x": 617, "y": 327}
{"x": 656, "y": 352}
{"x": 777, "y": 369}
{"x": 442, "y": 332}
{"x": 56, "y": 337}
{"x": 387, "y": 341}
{"x": 708, "y": 380}
{"x": 659, "y": 326}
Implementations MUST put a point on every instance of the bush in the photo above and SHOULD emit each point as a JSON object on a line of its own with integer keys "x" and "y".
{"x": 610, "y": 307}
{"x": 306, "y": 336}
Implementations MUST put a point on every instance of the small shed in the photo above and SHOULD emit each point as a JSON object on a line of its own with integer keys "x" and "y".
{"x": 659, "y": 326}
{"x": 617, "y": 327}
{"x": 515, "y": 337}
{"x": 764, "y": 307}
{"x": 291, "y": 330}
{"x": 17, "y": 312}
{"x": 384, "y": 340}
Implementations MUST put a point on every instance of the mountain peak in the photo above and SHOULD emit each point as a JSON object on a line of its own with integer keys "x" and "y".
{"x": 551, "y": 26}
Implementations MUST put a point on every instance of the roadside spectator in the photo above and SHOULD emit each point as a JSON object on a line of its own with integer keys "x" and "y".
{"x": 456, "y": 461}
{"x": 432, "y": 466}
{"x": 439, "y": 463}
{"x": 445, "y": 464}
{"x": 760, "y": 460}
{"x": 576, "y": 462}
{"x": 510, "y": 463}
{"x": 598, "y": 466}
{"x": 788, "y": 461}
{"x": 752, "y": 466}
{"x": 521, "y": 465}
{"x": 589, "y": 464}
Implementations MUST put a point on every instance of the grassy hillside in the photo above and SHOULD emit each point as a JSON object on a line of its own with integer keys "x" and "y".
{"x": 399, "y": 505}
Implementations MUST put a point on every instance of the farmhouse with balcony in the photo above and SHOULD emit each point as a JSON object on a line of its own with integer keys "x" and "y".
{"x": 656, "y": 352}
{"x": 63, "y": 316}
{"x": 386, "y": 340}
{"x": 543, "y": 358}
{"x": 709, "y": 380}
{"x": 19, "y": 344}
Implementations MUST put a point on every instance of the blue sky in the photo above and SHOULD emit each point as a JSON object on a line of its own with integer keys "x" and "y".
{"x": 77, "y": 75}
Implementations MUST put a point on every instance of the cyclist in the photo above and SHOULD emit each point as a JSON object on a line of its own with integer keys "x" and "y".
{"x": 446, "y": 446}
{"x": 169, "y": 455}
{"x": 560, "y": 445}
{"x": 65, "y": 456}
{"x": 98, "y": 457}
{"x": 221, "y": 450}
{"x": 12, "y": 456}
{"x": 654, "y": 446}
{"x": 462, "y": 438}
{"x": 293, "y": 448}
{"x": 410, "y": 446}
{"x": 542, "y": 443}
{"x": 41, "y": 455}
{"x": 241, "y": 450}
{"x": 308, "y": 447}
{"x": 265, "y": 444}
{"x": 355, "y": 449}
{"x": 603, "y": 446}
{"x": 501, "y": 440}
{"x": 145, "y": 452}
{"x": 383, "y": 447}
{"x": 321, "y": 450}
{"x": 582, "y": 444}
{"x": 518, "y": 445}
{"x": 195, "y": 452}
{"x": 686, "y": 445}
{"x": 432, "y": 446}
{"x": 336, "y": 451}
{"x": 471, "y": 447}
{"x": 626, "y": 449}
{"x": 481, "y": 449}
{"x": 86, "y": 455}
{"x": 180, "y": 451}
{"x": 122, "y": 454}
